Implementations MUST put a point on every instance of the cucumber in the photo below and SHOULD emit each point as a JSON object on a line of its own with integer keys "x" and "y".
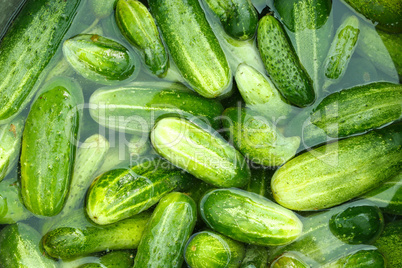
{"x": 289, "y": 259}
{"x": 278, "y": 55}
{"x": 82, "y": 239}
{"x": 255, "y": 257}
{"x": 257, "y": 138}
{"x": 11, "y": 208}
{"x": 332, "y": 174}
{"x": 390, "y": 243}
{"x": 199, "y": 151}
{"x": 193, "y": 46}
{"x": 49, "y": 145}
{"x": 19, "y": 247}
{"x": 10, "y": 145}
{"x": 102, "y": 8}
{"x": 249, "y": 217}
{"x": 370, "y": 258}
{"x": 358, "y": 109}
{"x": 122, "y": 193}
{"x": 114, "y": 259}
{"x": 393, "y": 43}
{"x": 138, "y": 26}
{"x": 167, "y": 232}
{"x": 99, "y": 59}
{"x": 27, "y": 48}
{"x": 139, "y": 145}
{"x": 239, "y": 18}
{"x": 134, "y": 109}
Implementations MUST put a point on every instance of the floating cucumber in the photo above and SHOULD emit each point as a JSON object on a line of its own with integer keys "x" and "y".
{"x": 12, "y": 209}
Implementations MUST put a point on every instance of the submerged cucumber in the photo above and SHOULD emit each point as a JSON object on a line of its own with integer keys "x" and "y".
{"x": 12, "y": 209}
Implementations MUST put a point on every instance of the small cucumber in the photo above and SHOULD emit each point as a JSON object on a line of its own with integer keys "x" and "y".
{"x": 282, "y": 63}
{"x": 208, "y": 249}
{"x": 255, "y": 257}
{"x": 257, "y": 138}
{"x": 27, "y": 48}
{"x": 332, "y": 174}
{"x": 249, "y": 217}
{"x": 201, "y": 152}
{"x": 48, "y": 146}
{"x": 167, "y": 232}
{"x": 138, "y": 26}
{"x": 239, "y": 18}
{"x": 11, "y": 208}
{"x": 193, "y": 46}
{"x": 390, "y": 244}
{"x": 114, "y": 259}
{"x": 102, "y": 8}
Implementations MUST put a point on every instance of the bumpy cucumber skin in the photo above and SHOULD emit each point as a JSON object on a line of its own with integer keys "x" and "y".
{"x": 249, "y": 217}
{"x": 138, "y": 26}
{"x": 389, "y": 242}
{"x": 341, "y": 170}
{"x": 278, "y": 55}
{"x": 141, "y": 104}
{"x": 193, "y": 46}
{"x": 48, "y": 146}
{"x": 114, "y": 259}
{"x": 255, "y": 257}
{"x": 359, "y": 109}
{"x": 28, "y": 47}
{"x": 11, "y": 208}
{"x": 167, "y": 232}
{"x": 201, "y": 152}
{"x": 19, "y": 247}
{"x": 121, "y": 193}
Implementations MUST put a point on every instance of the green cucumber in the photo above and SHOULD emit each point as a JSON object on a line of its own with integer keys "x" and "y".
{"x": 389, "y": 242}
{"x": 210, "y": 249}
{"x": 260, "y": 181}
{"x": 193, "y": 46}
{"x": 239, "y": 18}
{"x": 102, "y": 8}
{"x": 139, "y": 145}
{"x": 367, "y": 258}
{"x": 19, "y": 247}
{"x": 82, "y": 239}
{"x": 393, "y": 43}
{"x": 99, "y": 59}
{"x": 138, "y": 26}
{"x": 249, "y": 217}
{"x": 10, "y": 145}
{"x": 199, "y": 151}
{"x": 167, "y": 232}
{"x": 257, "y": 138}
{"x": 255, "y": 257}
{"x": 282, "y": 63}
{"x": 122, "y": 193}
{"x": 134, "y": 109}
{"x": 358, "y": 109}
{"x": 289, "y": 259}
{"x": 114, "y": 259}
{"x": 49, "y": 145}
{"x": 27, "y": 48}
{"x": 11, "y": 208}
{"x": 337, "y": 172}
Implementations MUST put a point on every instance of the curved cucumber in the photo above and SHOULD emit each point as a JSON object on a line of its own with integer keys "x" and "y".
{"x": 11, "y": 208}
{"x": 48, "y": 146}
{"x": 193, "y": 46}
{"x": 249, "y": 217}
{"x": 255, "y": 257}
{"x": 389, "y": 242}
{"x": 167, "y": 232}
{"x": 201, "y": 152}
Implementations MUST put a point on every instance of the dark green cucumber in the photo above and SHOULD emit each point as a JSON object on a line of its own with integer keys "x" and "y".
{"x": 48, "y": 146}
{"x": 122, "y": 193}
{"x": 167, "y": 232}
{"x": 282, "y": 63}
{"x": 114, "y": 259}
{"x": 11, "y": 208}
{"x": 249, "y": 217}
{"x": 19, "y": 247}
{"x": 138, "y": 26}
{"x": 134, "y": 109}
{"x": 390, "y": 243}
{"x": 200, "y": 151}
{"x": 210, "y": 249}
{"x": 27, "y": 48}
{"x": 193, "y": 46}
{"x": 239, "y": 18}
{"x": 337, "y": 172}
{"x": 255, "y": 257}
{"x": 359, "y": 109}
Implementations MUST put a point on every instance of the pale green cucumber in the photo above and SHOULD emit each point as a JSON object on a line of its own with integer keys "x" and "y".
{"x": 201, "y": 152}
{"x": 11, "y": 208}
{"x": 255, "y": 257}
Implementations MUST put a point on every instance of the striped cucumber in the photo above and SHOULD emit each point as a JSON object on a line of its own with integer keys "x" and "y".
{"x": 27, "y": 48}
{"x": 138, "y": 26}
{"x": 249, "y": 217}
{"x": 48, "y": 146}
{"x": 389, "y": 242}
{"x": 282, "y": 63}
{"x": 11, "y": 208}
{"x": 255, "y": 257}
{"x": 210, "y": 249}
{"x": 167, "y": 232}
{"x": 193, "y": 46}
{"x": 337, "y": 172}
{"x": 199, "y": 151}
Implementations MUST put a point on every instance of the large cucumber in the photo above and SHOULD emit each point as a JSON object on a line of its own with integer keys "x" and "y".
{"x": 249, "y": 217}
{"x": 48, "y": 146}
{"x": 193, "y": 46}
{"x": 339, "y": 171}
{"x": 11, "y": 208}
{"x": 28, "y": 47}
